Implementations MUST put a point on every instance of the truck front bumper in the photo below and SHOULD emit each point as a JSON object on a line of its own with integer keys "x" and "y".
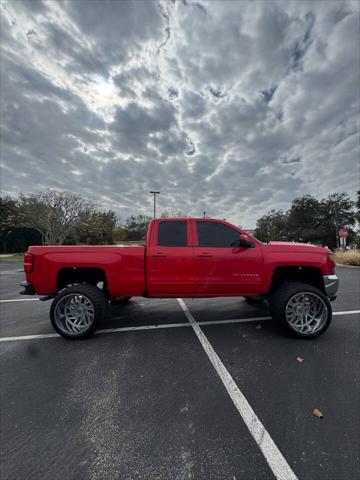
{"x": 331, "y": 283}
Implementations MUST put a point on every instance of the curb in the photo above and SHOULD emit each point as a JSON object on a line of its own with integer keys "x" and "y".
{"x": 349, "y": 266}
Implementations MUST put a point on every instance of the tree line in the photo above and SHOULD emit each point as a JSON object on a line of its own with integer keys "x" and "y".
{"x": 57, "y": 218}
{"x": 310, "y": 220}
{"x": 53, "y": 218}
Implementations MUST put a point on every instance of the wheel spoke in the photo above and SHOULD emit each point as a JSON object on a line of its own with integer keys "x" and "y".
{"x": 74, "y": 314}
{"x": 306, "y": 312}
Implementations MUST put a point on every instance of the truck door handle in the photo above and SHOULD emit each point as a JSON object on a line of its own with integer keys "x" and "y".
{"x": 159, "y": 255}
{"x": 205, "y": 255}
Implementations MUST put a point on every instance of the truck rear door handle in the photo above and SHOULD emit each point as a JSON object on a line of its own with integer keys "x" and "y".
{"x": 159, "y": 255}
{"x": 205, "y": 255}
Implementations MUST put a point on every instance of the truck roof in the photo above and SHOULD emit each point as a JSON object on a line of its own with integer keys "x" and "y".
{"x": 189, "y": 218}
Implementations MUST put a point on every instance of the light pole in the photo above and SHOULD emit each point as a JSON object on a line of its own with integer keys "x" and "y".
{"x": 154, "y": 193}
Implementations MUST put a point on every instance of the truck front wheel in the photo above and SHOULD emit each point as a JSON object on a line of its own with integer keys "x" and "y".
{"x": 302, "y": 310}
{"x": 76, "y": 311}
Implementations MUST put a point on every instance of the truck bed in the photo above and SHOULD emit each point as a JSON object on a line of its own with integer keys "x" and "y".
{"x": 123, "y": 267}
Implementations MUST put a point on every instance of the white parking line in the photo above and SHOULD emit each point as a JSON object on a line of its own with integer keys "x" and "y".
{"x": 347, "y": 312}
{"x": 132, "y": 329}
{"x": 29, "y": 337}
{"x": 159, "y": 327}
{"x": 236, "y": 320}
{"x": 20, "y": 300}
{"x": 272, "y": 454}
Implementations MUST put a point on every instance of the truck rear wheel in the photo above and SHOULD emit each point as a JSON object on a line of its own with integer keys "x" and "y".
{"x": 302, "y": 310}
{"x": 76, "y": 311}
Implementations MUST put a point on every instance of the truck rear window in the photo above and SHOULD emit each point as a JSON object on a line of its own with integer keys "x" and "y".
{"x": 172, "y": 234}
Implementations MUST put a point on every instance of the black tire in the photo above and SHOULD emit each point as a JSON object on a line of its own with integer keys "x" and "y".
{"x": 120, "y": 300}
{"x": 254, "y": 300}
{"x": 93, "y": 298}
{"x": 283, "y": 301}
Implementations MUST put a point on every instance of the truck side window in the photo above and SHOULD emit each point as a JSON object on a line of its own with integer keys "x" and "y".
{"x": 214, "y": 234}
{"x": 172, "y": 234}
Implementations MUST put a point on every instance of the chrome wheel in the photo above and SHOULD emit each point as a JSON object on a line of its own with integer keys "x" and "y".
{"x": 74, "y": 314}
{"x": 306, "y": 313}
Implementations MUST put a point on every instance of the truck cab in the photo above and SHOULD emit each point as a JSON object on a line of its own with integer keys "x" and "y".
{"x": 201, "y": 258}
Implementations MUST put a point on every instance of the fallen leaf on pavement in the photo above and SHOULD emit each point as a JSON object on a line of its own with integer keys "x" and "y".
{"x": 299, "y": 359}
{"x": 258, "y": 327}
{"x": 318, "y": 413}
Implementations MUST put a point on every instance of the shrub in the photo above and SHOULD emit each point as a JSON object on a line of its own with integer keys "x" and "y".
{"x": 349, "y": 257}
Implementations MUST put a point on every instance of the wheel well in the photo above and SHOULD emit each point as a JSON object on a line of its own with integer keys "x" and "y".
{"x": 71, "y": 276}
{"x": 310, "y": 275}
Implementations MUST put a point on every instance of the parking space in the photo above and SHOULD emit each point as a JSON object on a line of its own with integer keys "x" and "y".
{"x": 149, "y": 404}
{"x": 136, "y": 406}
{"x": 11, "y": 274}
{"x": 32, "y": 318}
{"x": 285, "y": 392}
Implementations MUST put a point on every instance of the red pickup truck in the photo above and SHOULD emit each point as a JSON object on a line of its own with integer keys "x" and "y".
{"x": 185, "y": 257}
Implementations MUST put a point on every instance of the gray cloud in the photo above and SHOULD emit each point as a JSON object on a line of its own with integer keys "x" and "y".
{"x": 233, "y": 108}
{"x": 34, "y": 6}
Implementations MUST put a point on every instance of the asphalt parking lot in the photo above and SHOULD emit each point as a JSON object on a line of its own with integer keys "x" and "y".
{"x": 206, "y": 389}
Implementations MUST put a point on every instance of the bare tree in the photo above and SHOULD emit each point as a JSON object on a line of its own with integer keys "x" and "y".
{"x": 174, "y": 214}
{"x": 54, "y": 214}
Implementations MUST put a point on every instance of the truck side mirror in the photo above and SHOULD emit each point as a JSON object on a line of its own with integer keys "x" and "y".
{"x": 244, "y": 241}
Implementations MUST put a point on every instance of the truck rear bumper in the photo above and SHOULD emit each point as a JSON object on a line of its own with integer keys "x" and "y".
{"x": 28, "y": 289}
{"x": 331, "y": 283}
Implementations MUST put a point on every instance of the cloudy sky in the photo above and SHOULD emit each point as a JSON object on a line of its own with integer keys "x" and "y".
{"x": 232, "y": 107}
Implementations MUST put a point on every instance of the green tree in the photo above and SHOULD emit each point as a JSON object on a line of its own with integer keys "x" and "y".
{"x": 272, "y": 226}
{"x": 357, "y": 214}
{"x": 10, "y": 212}
{"x": 136, "y": 227}
{"x": 311, "y": 220}
{"x": 18, "y": 239}
{"x": 305, "y": 220}
{"x": 338, "y": 212}
{"x": 14, "y": 237}
{"x": 96, "y": 228}
{"x": 120, "y": 233}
